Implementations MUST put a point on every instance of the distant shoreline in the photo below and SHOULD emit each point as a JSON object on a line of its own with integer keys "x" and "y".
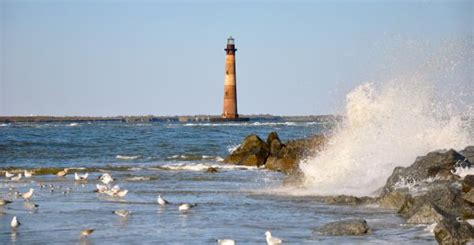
{"x": 138, "y": 119}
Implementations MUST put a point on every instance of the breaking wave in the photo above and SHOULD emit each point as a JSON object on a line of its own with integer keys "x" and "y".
{"x": 387, "y": 126}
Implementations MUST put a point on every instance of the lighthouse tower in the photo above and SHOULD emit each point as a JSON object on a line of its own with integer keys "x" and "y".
{"x": 230, "y": 85}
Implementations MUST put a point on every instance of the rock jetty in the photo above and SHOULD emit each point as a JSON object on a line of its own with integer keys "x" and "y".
{"x": 274, "y": 154}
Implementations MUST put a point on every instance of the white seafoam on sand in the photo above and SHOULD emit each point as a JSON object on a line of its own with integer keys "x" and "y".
{"x": 385, "y": 127}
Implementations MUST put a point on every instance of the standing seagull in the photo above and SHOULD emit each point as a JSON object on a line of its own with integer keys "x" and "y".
{"x": 9, "y": 175}
{"x": 62, "y": 173}
{"x": 80, "y": 177}
{"x": 186, "y": 207}
{"x": 162, "y": 201}
{"x": 272, "y": 240}
{"x": 121, "y": 193}
{"x": 27, "y": 195}
{"x": 122, "y": 213}
{"x": 4, "y": 202}
{"x": 28, "y": 174}
{"x": 16, "y": 178}
{"x": 106, "y": 178}
{"x": 86, "y": 232}
{"x": 101, "y": 188}
{"x": 15, "y": 223}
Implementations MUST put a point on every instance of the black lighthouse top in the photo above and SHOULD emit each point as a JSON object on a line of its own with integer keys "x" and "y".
{"x": 230, "y": 46}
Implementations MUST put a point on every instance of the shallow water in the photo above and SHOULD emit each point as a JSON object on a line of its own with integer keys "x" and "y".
{"x": 233, "y": 203}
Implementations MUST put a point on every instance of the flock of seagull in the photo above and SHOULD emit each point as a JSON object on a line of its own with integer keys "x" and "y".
{"x": 104, "y": 187}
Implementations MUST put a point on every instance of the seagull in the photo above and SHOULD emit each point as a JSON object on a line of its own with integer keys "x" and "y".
{"x": 67, "y": 191}
{"x": 101, "y": 188}
{"x": 122, "y": 213}
{"x": 80, "y": 177}
{"x": 62, "y": 173}
{"x": 115, "y": 189}
{"x": 162, "y": 201}
{"x": 16, "y": 178}
{"x": 28, "y": 174}
{"x": 186, "y": 206}
{"x": 15, "y": 223}
{"x": 27, "y": 195}
{"x": 272, "y": 240}
{"x": 9, "y": 175}
{"x": 4, "y": 202}
{"x": 30, "y": 205}
{"x": 106, "y": 178}
{"x": 225, "y": 242}
{"x": 86, "y": 232}
{"x": 121, "y": 193}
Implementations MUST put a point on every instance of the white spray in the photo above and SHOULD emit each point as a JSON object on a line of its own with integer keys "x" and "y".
{"x": 385, "y": 127}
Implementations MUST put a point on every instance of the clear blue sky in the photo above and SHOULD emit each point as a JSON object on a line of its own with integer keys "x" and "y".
{"x": 167, "y": 58}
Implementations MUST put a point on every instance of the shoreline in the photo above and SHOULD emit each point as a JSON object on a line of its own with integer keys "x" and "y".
{"x": 139, "y": 119}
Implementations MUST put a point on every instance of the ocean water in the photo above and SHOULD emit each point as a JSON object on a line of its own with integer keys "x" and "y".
{"x": 168, "y": 159}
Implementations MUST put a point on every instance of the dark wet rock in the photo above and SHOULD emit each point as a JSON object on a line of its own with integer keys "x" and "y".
{"x": 274, "y": 154}
{"x": 284, "y": 164}
{"x": 252, "y": 152}
{"x": 211, "y": 170}
{"x": 468, "y": 152}
{"x": 394, "y": 200}
{"x": 347, "y": 200}
{"x": 467, "y": 183}
{"x": 445, "y": 197}
{"x": 271, "y": 137}
{"x": 452, "y": 230}
{"x": 352, "y": 227}
{"x": 433, "y": 165}
{"x": 427, "y": 192}
{"x": 469, "y": 196}
{"x": 424, "y": 206}
{"x": 287, "y": 158}
{"x": 275, "y": 147}
{"x": 426, "y": 214}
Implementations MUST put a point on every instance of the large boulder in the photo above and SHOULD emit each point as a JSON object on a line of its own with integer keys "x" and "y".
{"x": 352, "y": 227}
{"x": 429, "y": 192}
{"x": 252, "y": 152}
{"x": 451, "y": 230}
{"x": 435, "y": 165}
{"x": 426, "y": 214}
{"x": 469, "y": 197}
{"x": 394, "y": 200}
{"x": 468, "y": 183}
{"x": 286, "y": 157}
{"x": 468, "y": 152}
{"x": 271, "y": 137}
{"x": 444, "y": 196}
{"x": 427, "y": 188}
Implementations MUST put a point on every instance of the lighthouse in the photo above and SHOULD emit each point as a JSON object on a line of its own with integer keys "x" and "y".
{"x": 229, "y": 112}
{"x": 230, "y": 85}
